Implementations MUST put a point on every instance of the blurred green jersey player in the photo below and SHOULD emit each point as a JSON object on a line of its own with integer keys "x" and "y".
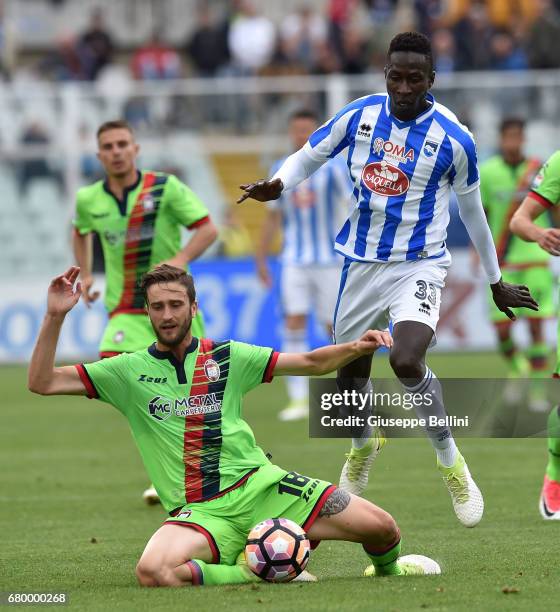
{"x": 138, "y": 216}
{"x": 505, "y": 181}
{"x": 545, "y": 195}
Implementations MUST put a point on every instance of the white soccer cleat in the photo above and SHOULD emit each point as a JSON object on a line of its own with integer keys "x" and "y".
{"x": 412, "y": 565}
{"x": 355, "y": 471}
{"x": 150, "y": 496}
{"x": 465, "y": 495}
{"x": 549, "y": 502}
{"x": 295, "y": 411}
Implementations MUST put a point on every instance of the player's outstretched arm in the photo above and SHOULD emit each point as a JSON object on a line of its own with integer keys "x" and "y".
{"x": 330, "y": 358}
{"x": 43, "y": 377}
{"x": 523, "y": 225}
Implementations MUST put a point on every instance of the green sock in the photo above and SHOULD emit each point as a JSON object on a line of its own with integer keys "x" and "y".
{"x": 212, "y": 573}
{"x": 537, "y": 354}
{"x": 385, "y": 563}
{"x": 553, "y": 466}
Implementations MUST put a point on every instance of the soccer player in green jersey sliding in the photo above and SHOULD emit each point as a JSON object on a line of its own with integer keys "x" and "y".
{"x": 182, "y": 397}
{"x": 545, "y": 195}
{"x": 138, "y": 216}
{"x": 505, "y": 180}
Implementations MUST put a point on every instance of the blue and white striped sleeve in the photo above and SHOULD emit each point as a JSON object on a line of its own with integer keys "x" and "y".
{"x": 333, "y": 136}
{"x": 464, "y": 172}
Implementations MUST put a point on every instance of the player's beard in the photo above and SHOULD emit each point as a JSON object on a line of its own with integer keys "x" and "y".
{"x": 183, "y": 330}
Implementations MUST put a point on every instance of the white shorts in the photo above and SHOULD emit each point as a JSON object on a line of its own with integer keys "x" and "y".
{"x": 307, "y": 288}
{"x": 371, "y": 294}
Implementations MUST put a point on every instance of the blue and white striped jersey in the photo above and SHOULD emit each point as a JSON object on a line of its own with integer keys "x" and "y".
{"x": 313, "y": 213}
{"x": 401, "y": 174}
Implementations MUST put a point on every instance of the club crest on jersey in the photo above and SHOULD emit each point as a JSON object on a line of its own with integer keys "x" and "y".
{"x": 148, "y": 202}
{"x": 392, "y": 151}
{"x": 430, "y": 148}
{"x": 384, "y": 179}
{"x": 212, "y": 370}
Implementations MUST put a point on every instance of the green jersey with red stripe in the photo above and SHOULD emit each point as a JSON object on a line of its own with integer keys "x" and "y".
{"x": 546, "y": 185}
{"x": 503, "y": 188}
{"x": 185, "y": 417}
{"x": 137, "y": 232}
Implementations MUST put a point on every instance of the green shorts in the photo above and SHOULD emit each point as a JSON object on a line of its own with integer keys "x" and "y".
{"x": 541, "y": 285}
{"x": 270, "y": 492}
{"x": 126, "y": 333}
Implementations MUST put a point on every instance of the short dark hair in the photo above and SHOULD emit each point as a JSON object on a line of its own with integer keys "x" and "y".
{"x": 414, "y": 42}
{"x": 305, "y": 113}
{"x": 115, "y": 124}
{"x": 168, "y": 274}
{"x": 509, "y": 122}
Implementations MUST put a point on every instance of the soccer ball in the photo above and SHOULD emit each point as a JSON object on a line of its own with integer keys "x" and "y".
{"x": 277, "y": 550}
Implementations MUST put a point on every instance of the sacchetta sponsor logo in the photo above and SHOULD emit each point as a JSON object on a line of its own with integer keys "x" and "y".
{"x": 161, "y": 408}
{"x": 384, "y": 179}
{"x": 212, "y": 370}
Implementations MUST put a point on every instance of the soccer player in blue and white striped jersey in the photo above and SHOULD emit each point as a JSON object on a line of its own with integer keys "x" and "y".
{"x": 310, "y": 215}
{"x": 404, "y": 152}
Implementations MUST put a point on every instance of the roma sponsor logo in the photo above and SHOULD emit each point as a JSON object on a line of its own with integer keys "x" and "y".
{"x": 399, "y": 153}
{"x": 384, "y": 179}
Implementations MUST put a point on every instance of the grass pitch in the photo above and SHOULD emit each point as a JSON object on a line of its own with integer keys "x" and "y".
{"x": 71, "y": 517}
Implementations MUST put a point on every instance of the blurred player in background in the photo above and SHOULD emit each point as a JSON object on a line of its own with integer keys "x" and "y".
{"x": 405, "y": 152}
{"x": 544, "y": 196}
{"x": 310, "y": 216}
{"x": 138, "y": 216}
{"x": 505, "y": 180}
{"x": 214, "y": 481}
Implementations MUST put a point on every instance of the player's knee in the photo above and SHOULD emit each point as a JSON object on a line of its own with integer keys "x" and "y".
{"x": 406, "y": 365}
{"x": 350, "y": 383}
{"x": 382, "y": 527}
{"x": 147, "y": 573}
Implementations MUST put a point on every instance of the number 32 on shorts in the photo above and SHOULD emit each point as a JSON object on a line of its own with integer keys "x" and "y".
{"x": 426, "y": 291}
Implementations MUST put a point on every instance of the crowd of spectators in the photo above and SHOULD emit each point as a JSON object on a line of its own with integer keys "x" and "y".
{"x": 350, "y": 36}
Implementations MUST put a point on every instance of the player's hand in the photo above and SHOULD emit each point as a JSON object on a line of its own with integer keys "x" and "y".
{"x": 508, "y": 296}
{"x": 176, "y": 262}
{"x": 264, "y": 274}
{"x": 549, "y": 240}
{"x": 62, "y": 296}
{"x": 374, "y": 339}
{"x": 88, "y": 295}
{"x": 262, "y": 190}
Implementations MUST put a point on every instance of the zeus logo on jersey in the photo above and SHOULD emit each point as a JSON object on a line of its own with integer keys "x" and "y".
{"x": 384, "y": 179}
{"x": 146, "y": 378}
{"x": 161, "y": 408}
{"x": 395, "y": 152}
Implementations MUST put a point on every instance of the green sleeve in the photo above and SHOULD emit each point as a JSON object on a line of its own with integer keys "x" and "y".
{"x": 252, "y": 364}
{"x": 108, "y": 381}
{"x": 82, "y": 220}
{"x": 484, "y": 185}
{"x": 547, "y": 181}
{"x": 182, "y": 203}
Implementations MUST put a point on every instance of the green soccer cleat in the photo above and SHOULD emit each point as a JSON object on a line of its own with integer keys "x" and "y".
{"x": 150, "y": 496}
{"x": 466, "y": 497}
{"x": 411, "y": 565}
{"x": 355, "y": 471}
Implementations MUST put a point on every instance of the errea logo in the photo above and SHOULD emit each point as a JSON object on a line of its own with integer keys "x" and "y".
{"x": 152, "y": 379}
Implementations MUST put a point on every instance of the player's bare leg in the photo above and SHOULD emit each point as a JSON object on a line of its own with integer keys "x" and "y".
{"x": 411, "y": 340}
{"x": 295, "y": 341}
{"x": 353, "y": 519}
{"x": 365, "y": 448}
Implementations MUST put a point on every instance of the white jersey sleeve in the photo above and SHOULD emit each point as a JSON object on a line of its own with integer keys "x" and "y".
{"x": 464, "y": 173}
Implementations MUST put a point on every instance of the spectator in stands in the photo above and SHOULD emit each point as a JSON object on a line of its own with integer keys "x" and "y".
{"x": 207, "y": 48}
{"x": 95, "y": 46}
{"x": 340, "y": 14}
{"x": 36, "y": 165}
{"x": 156, "y": 60}
{"x": 430, "y": 15}
{"x": 354, "y": 51}
{"x": 63, "y": 62}
{"x": 543, "y": 38}
{"x": 505, "y": 53}
{"x": 251, "y": 39}
{"x": 473, "y": 35}
{"x": 302, "y": 36}
{"x": 443, "y": 49}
